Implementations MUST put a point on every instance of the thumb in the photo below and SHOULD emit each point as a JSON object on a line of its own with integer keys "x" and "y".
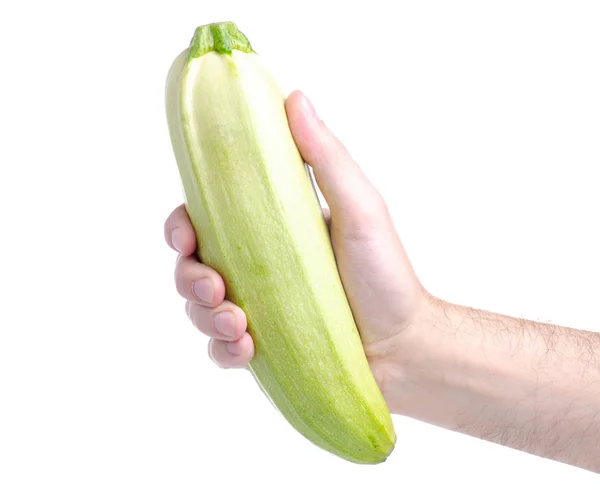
{"x": 353, "y": 200}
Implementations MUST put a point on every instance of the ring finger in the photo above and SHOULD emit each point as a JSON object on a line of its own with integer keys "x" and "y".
{"x": 226, "y": 322}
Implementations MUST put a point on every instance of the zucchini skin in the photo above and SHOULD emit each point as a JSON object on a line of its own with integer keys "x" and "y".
{"x": 260, "y": 225}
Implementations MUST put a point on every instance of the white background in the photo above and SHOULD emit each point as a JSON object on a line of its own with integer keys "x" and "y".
{"x": 479, "y": 122}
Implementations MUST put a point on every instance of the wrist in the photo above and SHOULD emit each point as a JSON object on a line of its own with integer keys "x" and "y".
{"x": 403, "y": 363}
{"x": 452, "y": 362}
{"x": 423, "y": 365}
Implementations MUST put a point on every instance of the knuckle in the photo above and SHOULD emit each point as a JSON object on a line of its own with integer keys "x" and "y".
{"x": 180, "y": 287}
{"x": 178, "y": 262}
{"x": 196, "y": 316}
{"x": 214, "y": 356}
{"x": 375, "y": 208}
{"x": 171, "y": 220}
{"x": 210, "y": 351}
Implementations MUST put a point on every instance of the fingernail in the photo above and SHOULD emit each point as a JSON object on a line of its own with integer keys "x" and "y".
{"x": 234, "y": 348}
{"x": 224, "y": 323}
{"x": 310, "y": 109}
{"x": 177, "y": 239}
{"x": 203, "y": 290}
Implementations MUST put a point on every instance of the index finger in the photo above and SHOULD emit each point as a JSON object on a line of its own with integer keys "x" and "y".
{"x": 179, "y": 232}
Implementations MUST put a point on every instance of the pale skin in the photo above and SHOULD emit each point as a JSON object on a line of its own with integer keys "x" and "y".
{"x": 527, "y": 385}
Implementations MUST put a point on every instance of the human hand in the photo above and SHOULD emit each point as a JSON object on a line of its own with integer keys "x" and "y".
{"x": 484, "y": 374}
{"x": 384, "y": 293}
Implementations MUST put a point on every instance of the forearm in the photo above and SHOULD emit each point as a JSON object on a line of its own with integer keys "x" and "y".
{"x": 527, "y": 385}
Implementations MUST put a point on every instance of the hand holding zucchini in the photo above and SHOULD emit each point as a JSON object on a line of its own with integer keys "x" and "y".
{"x": 259, "y": 224}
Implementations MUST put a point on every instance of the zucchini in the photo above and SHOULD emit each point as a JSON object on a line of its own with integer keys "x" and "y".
{"x": 260, "y": 225}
